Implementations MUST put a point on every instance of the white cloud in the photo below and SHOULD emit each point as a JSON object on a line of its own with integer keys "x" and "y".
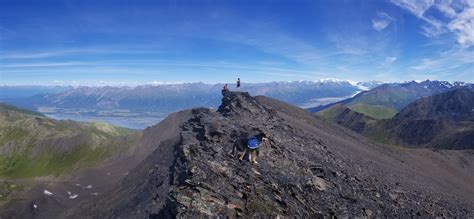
{"x": 445, "y": 8}
{"x": 353, "y": 45}
{"x": 380, "y": 24}
{"x": 382, "y": 21}
{"x": 416, "y": 7}
{"x": 463, "y": 26}
{"x": 431, "y": 31}
{"x": 456, "y": 63}
{"x": 447, "y": 61}
{"x": 118, "y": 49}
{"x": 459, "y": 14}
{"x": 281, "y": 44}
{"x": 42, "y": 64}
{"x": 425, "y": 64}
{"x": 30, "y": 55}
{"x": 390, "y": 59}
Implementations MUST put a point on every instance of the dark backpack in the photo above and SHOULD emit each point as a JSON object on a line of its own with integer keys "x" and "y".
{"x": 253, "y": 142}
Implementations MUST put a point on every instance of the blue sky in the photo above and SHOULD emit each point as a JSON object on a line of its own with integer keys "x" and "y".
{"x": 138, "y": 42}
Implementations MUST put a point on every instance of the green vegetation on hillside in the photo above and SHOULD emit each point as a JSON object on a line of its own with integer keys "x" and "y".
{"x": 32, "y": 146}
{"x": 332, "y": 113}
{"x": 6, "y": 107}
{"x": 23, "y": 165}
{"x": 7, "y": 188}
{"x": 389, "y": 97}
{"x": 374, "y": 111}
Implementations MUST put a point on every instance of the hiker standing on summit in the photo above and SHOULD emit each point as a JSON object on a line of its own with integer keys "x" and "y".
{"x": 225, "y": 89}
{"x": 238, "y": 84}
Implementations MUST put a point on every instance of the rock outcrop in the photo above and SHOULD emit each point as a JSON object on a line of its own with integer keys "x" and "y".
{"x": 309, "y": 168}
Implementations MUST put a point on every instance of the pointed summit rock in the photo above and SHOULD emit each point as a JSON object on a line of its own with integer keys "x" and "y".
{"x": 243, "y": 105}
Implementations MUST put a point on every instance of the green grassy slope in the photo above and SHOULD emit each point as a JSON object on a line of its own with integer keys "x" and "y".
{"x": 395, "y": 98}
{"x": 5, "y": 107}
{"x": 374, "y": 111}
{"x": 32, "y": 145}
{"x": 332, "y": 113}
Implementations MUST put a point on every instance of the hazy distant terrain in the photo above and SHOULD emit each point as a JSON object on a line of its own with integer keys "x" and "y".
{"x": 386, "y": 100}
{"x": 18, "y": 92}
{"x": 141, "y": 106}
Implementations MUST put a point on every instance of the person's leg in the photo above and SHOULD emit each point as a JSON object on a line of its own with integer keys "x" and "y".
{"x": 242, "y": 154}
{"x": 254, "y": 156}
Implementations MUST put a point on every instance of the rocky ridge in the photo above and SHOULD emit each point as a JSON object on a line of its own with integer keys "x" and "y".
{"x": 309, "y": 168}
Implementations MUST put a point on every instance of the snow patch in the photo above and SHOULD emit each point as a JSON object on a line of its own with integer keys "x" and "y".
{"x": 336, "y": 81}
{"x": 46, "y": 192}
{"x": 71, "y": 195}
{"x": 87, "y": 187}
{"x": 95, "y": 193}
{"x": 35, "y": 206}
{"x": 323, "y": 80}
{"x": 362, "y": 87}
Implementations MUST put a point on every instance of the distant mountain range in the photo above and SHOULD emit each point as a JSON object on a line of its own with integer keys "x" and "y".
{"x": 18, "y": 92}
{"x": 386, "y": 100}
{"x": 444, "y": 120}
{"x": 154, "y": 102}
{"x": 159, "y": 100}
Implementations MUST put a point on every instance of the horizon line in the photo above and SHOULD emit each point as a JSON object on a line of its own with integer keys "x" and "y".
{"x": 159, "y": 83}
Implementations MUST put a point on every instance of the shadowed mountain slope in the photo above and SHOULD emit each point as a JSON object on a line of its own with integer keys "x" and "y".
{"x": 348, "y": 118}
{"x": 386, "y": 100}
{"x": 456, "y": 105}
{"x": 309, "y": 168}
{"x": 444, "y": 121}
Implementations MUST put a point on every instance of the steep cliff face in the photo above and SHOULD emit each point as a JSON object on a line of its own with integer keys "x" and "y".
{"x": 309, "y": 168}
